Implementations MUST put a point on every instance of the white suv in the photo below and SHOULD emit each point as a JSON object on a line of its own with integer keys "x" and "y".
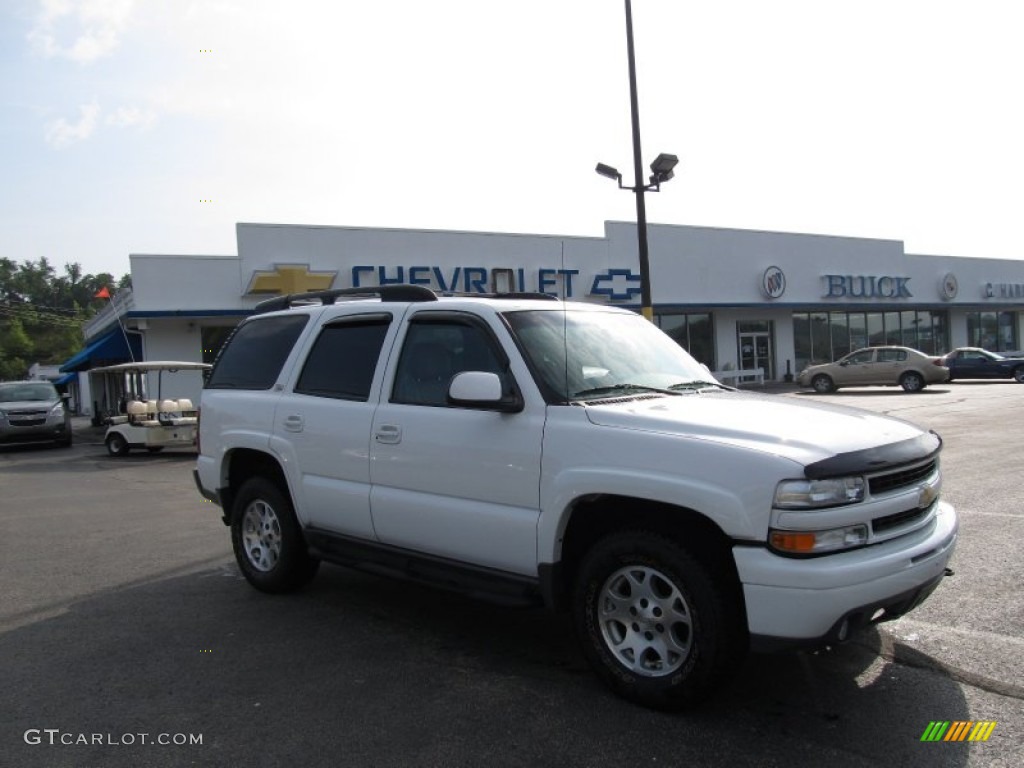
{"x": 535, "y": 451}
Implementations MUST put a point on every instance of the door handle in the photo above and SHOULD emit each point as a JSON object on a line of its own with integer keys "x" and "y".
{"x": 389, "y": 434}
{"x": 294, "y": 423}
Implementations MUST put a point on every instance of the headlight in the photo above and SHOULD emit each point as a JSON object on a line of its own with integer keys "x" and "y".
{"x": 817, "y": 494}
{"x": 818, "y": 542}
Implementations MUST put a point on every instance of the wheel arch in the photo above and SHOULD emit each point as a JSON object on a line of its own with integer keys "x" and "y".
{"x": 239, "y": 465}
{"x": 913, "y": 372}
{"x": 594, "y": 517}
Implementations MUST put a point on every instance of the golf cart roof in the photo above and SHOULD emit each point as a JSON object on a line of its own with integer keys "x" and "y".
{"x": 146, "y": 366}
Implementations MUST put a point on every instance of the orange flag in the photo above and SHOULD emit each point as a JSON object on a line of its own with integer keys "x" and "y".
{"x": 102, "y": 293}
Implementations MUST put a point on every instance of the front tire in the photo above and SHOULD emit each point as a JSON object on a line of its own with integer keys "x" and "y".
{"x": 268, "y": 542}
{"x": 653, "y": 623}
{"x": 912, "y": 381}
{"x": 823, "y": 384}
{"x": 116, "y": 444}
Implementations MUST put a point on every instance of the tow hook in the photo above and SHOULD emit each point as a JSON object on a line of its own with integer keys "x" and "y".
{"x": 949, "y": 572}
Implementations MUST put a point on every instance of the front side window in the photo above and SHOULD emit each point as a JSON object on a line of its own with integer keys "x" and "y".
{"x": 435, "y": 350}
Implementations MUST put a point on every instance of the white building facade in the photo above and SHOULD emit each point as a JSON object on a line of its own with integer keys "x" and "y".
{"x": 736, "y": 299}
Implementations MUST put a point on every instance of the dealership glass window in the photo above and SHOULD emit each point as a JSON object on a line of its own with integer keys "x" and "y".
{"x": 811, "y": 341}
{"x": 840, "y": 325}
{"x": 1007, "y": 339}
{"x": 891, "y": 321}
{"x": 858, "y": 330}
{"x": 803, "y": 333}
{"x": 940, "y": 333}
{"x": 925, "y": 333}
{"x": 909, "y": 321}
{"x": 876, "y": 329}
{"x": 994, "y": 331}
{"x": 821, "y": 344}
{"x": 822, "y": 337}
{"x": 693, "y": 332}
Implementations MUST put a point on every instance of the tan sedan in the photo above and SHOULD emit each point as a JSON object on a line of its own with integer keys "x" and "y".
{"x": 887, "y": 366}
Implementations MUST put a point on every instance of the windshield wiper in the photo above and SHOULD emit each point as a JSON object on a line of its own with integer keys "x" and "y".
{"x": 697, "y": 385}
{"x": 622, "y": 387}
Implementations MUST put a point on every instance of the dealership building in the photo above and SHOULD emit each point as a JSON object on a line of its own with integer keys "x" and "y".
{"x": 738, "y": 300}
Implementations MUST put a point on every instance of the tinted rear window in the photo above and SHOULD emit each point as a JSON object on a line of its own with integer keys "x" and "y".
{"x": 254, "y": 355}
{"x": 344, "y": 358}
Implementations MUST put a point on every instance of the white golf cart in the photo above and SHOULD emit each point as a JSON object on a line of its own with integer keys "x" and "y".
{"x": 153, "y": 423}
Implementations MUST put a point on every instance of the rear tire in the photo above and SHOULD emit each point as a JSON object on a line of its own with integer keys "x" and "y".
{"x": 653, "y": 623}
{"x": 268, "y": 542}
{"x": 912, "y": 381}
{"x": 1018, "y": 374}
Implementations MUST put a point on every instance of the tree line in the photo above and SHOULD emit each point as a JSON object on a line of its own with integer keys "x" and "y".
{"x": 42, "y": 312}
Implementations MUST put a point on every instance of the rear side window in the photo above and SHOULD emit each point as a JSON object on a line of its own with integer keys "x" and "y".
{"x": 892, "y": 355}
{"x": 344, "y": 357}
{"x": 254, "y": 355}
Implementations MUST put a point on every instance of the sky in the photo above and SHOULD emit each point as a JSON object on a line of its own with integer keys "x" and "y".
{"x": 154, "y": 126}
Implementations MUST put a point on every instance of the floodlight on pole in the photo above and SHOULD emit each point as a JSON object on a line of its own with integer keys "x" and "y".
{"x": 662, "y": 171}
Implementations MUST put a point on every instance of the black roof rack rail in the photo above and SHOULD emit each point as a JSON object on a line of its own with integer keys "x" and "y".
{"x": 397, "y": 292}
{"x": 509, "y": 295}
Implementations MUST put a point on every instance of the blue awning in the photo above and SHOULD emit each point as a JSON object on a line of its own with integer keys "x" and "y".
{"x": 106, "y": 350}
{"x": 67, "y": 378}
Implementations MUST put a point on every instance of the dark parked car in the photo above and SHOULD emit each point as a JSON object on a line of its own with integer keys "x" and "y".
{"x": 33, "y": 411}
{"x": 975, "y": 363}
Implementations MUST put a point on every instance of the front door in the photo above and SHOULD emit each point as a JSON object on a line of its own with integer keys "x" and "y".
{"x": 457, "y": 482}
{"x": 756, "y": 352}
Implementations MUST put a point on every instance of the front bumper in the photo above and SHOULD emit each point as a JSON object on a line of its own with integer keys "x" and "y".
{"x": 10, "y": 433}
{"x": 822, "y": 600}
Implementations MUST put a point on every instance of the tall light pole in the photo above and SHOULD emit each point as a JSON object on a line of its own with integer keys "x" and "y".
{"x": 661, "y": 171}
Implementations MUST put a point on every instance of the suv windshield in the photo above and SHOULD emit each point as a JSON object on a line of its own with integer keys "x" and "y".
{"x": 27, "y": 391}
{"x": 588, "y": 355}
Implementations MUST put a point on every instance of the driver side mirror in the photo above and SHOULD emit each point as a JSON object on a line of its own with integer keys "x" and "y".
{"x": 482, "y": 389}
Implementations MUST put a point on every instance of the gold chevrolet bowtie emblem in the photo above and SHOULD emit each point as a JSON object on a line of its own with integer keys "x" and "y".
{"x": 290, "y": 278}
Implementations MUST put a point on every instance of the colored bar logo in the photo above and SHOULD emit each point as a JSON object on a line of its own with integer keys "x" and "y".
{"x": 958, "y": 730}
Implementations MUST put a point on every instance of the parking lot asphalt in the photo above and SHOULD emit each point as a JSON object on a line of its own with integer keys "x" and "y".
{"x": 124, "y": 614}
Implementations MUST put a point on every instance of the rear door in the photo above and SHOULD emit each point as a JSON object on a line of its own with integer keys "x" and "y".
{"x": 452, "y": 481}
{"x": 324, "y": 419}
{"x": 889, "y": 365}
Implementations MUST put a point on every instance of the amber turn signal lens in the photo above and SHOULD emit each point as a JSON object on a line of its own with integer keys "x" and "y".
{"x": 793, "y": 542}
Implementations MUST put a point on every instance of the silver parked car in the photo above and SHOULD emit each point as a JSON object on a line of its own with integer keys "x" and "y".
{"x": 33, "y": 411}
{"x": 887, "y": 366}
